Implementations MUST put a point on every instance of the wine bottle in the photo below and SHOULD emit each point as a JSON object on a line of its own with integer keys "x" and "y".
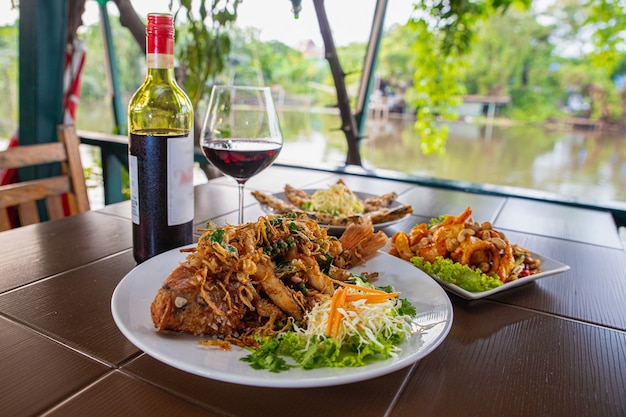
{"x": 160, "y": 163}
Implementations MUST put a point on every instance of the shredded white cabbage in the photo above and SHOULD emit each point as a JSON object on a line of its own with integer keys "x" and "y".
{"x": 359, "y": 319}
{"x": 337, "y": 200}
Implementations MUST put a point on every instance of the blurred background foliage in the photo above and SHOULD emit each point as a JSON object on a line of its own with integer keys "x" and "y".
{"x": 540, "y": 59}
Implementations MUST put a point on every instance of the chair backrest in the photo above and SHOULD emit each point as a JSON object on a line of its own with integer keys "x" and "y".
{"x": 65, "y": 194}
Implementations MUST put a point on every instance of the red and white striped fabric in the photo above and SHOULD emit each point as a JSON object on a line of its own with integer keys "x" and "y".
{"x": 74, "y": 63}
{"x": 8, "y": 176}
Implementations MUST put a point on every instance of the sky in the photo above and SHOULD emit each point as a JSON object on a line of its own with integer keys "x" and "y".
{"x": 350, "y": 20}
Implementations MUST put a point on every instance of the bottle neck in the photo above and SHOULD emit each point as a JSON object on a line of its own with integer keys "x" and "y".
{"x": 160, "y": 53}
{"x": 160, "y": 58}
{"x": 160, "y": 42}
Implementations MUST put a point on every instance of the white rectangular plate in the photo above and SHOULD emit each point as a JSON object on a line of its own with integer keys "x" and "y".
{"x": 548, "y": 267}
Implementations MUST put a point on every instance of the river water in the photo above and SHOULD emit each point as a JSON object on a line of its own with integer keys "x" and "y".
{"x": 582, "y": 164}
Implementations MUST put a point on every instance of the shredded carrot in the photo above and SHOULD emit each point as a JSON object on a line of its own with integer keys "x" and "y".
{"x": 372, "y": 298}
{"x": 341, "y": 300}
{"x": 331, "y": 314}
{"x": 341, "y": 297}
{"x": 364, "y": 289}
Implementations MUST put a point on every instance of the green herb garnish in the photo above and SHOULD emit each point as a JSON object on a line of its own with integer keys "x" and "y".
{"x": 218, "y": 236}
{"x": 436, "y": 220}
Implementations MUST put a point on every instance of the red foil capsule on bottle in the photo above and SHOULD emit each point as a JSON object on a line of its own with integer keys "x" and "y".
{"x": 160, "y": 38}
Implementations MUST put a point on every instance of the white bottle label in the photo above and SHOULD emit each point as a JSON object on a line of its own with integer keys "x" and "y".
{"x": 180, "y": 180}
{"x": 134, "y": 188}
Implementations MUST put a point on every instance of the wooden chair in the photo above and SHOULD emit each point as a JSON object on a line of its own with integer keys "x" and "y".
{"x": 69, "y": 187}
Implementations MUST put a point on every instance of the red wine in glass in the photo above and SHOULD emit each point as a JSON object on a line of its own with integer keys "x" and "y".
{"x": 240, "y": 158}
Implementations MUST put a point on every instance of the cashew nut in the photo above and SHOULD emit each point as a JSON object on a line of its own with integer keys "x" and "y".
{"x": 464, "y": 233}
{"x": 500, "y": 244}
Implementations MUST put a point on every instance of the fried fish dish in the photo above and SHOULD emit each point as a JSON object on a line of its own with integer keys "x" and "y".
{"x": 253, "y": 279}
{"x": 337, "y": 205}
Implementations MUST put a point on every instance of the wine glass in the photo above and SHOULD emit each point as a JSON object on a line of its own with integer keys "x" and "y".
{"x": 241, "y": 135}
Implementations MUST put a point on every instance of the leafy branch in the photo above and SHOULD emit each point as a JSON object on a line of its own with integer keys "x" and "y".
{"x": 444, "y": 32}
{"x": 608, "y": 17}
{"x": 203, "y": 42}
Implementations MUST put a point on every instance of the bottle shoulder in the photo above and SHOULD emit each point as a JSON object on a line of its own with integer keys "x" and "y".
{"x": 160, "y": 95}
{"x": 159, "y": 103}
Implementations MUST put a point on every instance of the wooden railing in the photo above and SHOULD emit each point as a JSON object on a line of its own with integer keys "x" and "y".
{"x": 114, "y": 151}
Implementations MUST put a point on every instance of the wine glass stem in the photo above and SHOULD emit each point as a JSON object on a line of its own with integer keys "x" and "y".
{"x": 240, "y": 185}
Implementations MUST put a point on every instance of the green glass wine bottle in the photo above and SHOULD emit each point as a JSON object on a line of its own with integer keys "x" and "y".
{"x": 160, "y": 124}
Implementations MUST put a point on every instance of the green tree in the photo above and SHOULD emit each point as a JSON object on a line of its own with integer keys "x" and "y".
{"x": 396, "y": 62}
{"x": 507, "y": 49}
{"x": 203, "y": 42}
{"x": 130, "y": 61}
{"x": 595, "y": 87}
{"x": 444, "y": 34}
{"x": 587, "y": 33}
{"x": 8, "y": 78}
{"x": 608, "y": 20}
{"x": 512, "y": 56}
{"x": 272, "y": 63}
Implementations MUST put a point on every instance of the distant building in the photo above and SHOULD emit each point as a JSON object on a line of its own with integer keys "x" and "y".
{"x": 310, "y": 50}
{"x": 475, "y": 105}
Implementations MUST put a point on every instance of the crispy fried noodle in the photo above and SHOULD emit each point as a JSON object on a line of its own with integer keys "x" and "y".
{"x": 252, "y": 280}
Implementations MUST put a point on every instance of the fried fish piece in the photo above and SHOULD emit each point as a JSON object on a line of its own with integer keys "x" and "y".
{"x": 381, "y": 201}
{"x": 384, "y": 215}
{"x": 180, "y": 305}
{"x": 279, "y": 206}
{"x": 296, "y": 196}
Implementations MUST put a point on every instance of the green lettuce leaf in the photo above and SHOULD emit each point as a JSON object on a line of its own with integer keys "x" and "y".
{"x": 325, "y": 352}
{"x": 455, "y": 273}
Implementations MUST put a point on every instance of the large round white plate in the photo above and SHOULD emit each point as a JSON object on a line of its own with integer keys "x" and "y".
{"x": 131, "y": 301}
{"x": 337, "y": 230}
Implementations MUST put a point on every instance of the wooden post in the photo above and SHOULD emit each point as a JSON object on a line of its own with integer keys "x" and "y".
{"x": 42, "y": 34}
{"x": 369, "y": 68}
{"x": 348, "y": 121}
{"x": 42, "y": 29}
{"x": 119, "y": 111}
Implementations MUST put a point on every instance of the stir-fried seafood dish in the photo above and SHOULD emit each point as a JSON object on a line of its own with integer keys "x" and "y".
{"x": 464, "y": 240}
{"x": 336, "y": 206}
{"x": 251, "y": 279}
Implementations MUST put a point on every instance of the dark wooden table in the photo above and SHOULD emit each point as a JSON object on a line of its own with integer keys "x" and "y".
{"x": 554, "y": 347}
